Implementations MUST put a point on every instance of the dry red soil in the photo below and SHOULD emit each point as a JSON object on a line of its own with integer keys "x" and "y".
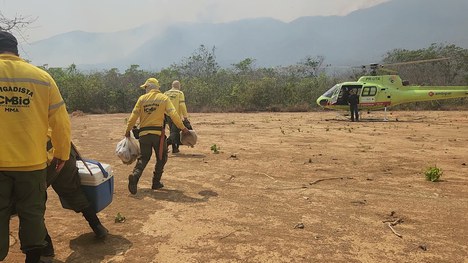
{"x": 285, "y": 187}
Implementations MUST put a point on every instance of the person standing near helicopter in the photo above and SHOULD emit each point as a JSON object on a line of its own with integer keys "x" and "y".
{"x": 353, "y": 101}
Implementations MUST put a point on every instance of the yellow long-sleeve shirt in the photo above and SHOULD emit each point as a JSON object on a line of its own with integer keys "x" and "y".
{"x": 150, "y": 109}
{"x": 177, "y": 98}
{"x": 30, "y": 102}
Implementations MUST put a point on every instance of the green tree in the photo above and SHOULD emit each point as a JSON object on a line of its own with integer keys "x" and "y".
{"x": 452, "y": 69}
{"x": 245, "y": 66}
{"x": 201, "y": 64}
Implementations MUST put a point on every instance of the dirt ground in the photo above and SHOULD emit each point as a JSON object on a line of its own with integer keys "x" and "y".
{"x": 285, "y": 187}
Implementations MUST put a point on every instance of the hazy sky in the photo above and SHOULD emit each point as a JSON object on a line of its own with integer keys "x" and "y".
{"x": 60, "y": 16}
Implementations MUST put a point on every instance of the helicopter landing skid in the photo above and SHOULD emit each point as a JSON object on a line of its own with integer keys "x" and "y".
{"x": 385, "y": 114}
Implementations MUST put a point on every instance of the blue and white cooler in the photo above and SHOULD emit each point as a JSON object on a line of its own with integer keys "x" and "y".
{"x": 97, "y": 182}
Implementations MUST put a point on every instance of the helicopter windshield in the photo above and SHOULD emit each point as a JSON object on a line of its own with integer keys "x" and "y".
{"x": 330, "y": 92}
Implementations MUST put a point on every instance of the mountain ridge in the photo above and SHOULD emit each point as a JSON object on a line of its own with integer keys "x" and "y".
{"x": 362, "y": 36}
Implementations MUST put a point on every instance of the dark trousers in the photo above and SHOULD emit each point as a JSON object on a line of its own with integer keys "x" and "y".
{"x": 28, "y": 191}
{"x": 67, "y": 184}
{"x": 148, "y": 143}
{"x": 174, "y": 138}
{"x": 353, "y": 108}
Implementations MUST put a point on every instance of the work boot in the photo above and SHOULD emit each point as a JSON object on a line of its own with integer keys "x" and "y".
{"x": 90, "y": 215}
{"x": 132, "y": 184}
{"x": 100, "y": 231}
{"x": 33, "y": 255}
{"x": 157, "y": 181}
{"x": 48, "y": 251}
{"x": 157, "y": 185}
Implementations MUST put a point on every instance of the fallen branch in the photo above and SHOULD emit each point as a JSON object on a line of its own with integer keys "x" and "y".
{"x": 304, "y": 186}
{"x": 359, "y": 202}
{"x": 331, "y": 178}
{"x": 272, "y": 178}
{"x": 396, "y": 222}
{"x": 228, "y": 234}
{"x": 393, "y": 230}
{"x": 393, "y": 222}
{"x": 287, "y": 188}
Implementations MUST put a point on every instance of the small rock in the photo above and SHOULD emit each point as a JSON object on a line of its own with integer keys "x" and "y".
{"x": 423, "y": 247}
{"x": 299, "y": 225}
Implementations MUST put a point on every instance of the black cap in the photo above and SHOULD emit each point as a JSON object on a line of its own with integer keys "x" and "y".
{"x": 8, "y": 42}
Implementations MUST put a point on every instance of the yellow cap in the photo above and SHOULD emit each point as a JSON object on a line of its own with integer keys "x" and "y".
{"x": 151, "y": 82}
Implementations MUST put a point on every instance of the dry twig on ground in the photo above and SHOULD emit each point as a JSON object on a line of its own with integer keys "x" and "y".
{"x": 331, "y": 178}
{"x": 393, "y": 230}
{"x": 272, "y": 178}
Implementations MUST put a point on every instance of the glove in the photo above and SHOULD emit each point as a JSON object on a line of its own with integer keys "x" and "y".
{"x": 187, "y": 124}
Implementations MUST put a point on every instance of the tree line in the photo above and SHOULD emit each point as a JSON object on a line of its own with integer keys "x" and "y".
{"x": 245, "y": 87}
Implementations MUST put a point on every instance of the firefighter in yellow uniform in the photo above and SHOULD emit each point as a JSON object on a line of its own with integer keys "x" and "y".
{"x": 177, "y": 98}
{"x": 30, "y": 103}
{"x": 150, "y": 109}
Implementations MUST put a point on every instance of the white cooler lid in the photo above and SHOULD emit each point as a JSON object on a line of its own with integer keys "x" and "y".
{"x": 97, "y": 176}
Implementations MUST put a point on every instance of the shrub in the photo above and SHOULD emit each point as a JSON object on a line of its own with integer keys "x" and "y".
{"x": 433, "y": 173}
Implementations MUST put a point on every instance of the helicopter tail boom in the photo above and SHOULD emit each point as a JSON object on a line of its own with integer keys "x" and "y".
{"x": 429, "y": 93}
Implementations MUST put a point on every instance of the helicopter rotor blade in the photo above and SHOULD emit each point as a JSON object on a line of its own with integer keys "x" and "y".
{"x": 391, "y": 71}
{"x": 416, "y": 62}
{"x": 374, "y": 67}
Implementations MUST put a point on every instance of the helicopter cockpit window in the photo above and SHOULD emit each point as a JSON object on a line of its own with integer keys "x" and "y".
{"x": 369, "y": 91}
{"x": 330, "y": 92}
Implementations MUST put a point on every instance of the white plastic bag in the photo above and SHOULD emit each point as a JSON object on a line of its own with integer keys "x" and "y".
{"x": 128, "y": 150}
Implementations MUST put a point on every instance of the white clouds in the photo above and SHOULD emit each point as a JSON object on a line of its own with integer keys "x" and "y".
{"x": 59, "y": 16}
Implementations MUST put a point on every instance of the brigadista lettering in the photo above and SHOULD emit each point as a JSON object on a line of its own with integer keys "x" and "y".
{"x": 17, "y": 89}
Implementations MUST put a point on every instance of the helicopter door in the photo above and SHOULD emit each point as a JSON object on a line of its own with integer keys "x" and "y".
{"x": 368, "y": 95}
{"x": 342, "y": 94}
{"x": 342, "y": 98}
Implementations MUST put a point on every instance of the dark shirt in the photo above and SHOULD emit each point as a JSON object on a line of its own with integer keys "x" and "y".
{"x": 353, "y": 99}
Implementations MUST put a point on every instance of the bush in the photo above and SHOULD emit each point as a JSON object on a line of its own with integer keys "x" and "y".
{"x": 433, "y": 173}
